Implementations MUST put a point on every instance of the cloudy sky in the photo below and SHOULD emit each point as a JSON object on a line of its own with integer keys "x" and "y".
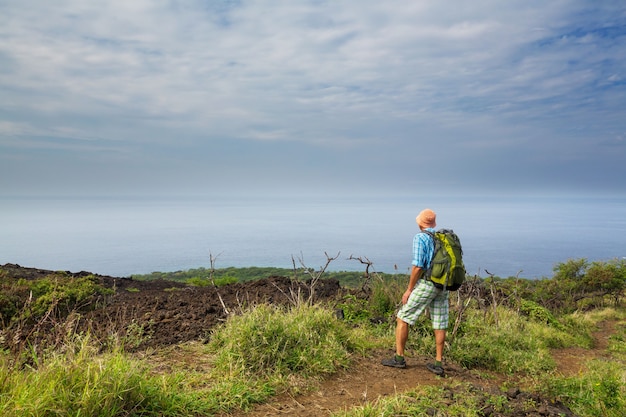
{"x": 192, "y": 97}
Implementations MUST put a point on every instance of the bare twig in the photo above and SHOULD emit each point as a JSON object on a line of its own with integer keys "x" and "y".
{"x": 294, "y": 297}
{"x": 212, "y": 260}
{"x": 493, "y": 297}
{"x": 365, "y": 261}
{"x": 469, "y": 289}
{"x": 295, "y": 269}
{"x": 316, "y": 276}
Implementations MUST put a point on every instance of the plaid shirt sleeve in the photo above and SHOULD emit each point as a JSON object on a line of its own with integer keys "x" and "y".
{"x": 423, "y": 249}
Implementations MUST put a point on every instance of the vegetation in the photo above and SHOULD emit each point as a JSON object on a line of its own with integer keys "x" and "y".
{"x": 597, "y": 393}
{"x": 200, "y": 275}
{"x": 26, "y": 300}
{"x": 507, "y": 326}
{"x": 253, "y": 356}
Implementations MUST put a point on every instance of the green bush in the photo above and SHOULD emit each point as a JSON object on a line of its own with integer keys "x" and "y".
{"x": 205, "y": 282}
{"x": 269, "y": 340}
{"x": 355, "y": 310}
{"x": 30, "y": 299}
{"x": 380, "y": 303}
{"x": 65, "y": 292}
{"x": 538, "y": 313}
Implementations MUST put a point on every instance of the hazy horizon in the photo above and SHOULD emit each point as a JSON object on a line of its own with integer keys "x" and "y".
{"x": 120, "y": 237}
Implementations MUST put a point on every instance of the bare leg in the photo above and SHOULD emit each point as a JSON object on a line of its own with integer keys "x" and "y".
{"x": 440, "y": 340}
{"x": 402, "y": 334}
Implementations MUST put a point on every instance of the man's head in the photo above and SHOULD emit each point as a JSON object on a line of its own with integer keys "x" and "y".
{"x": 427, "y": 218}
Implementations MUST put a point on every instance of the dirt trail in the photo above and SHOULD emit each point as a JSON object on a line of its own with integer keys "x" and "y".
{"x": 365, "y": 381}
{"x": 572, "y": 361}
{"x": 368, "y": 380}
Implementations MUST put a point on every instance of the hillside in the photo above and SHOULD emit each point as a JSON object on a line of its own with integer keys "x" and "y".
{"x": 170, "y": 313}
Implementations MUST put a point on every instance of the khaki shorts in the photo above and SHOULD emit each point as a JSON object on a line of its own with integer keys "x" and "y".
{"x": 425, "y": 294}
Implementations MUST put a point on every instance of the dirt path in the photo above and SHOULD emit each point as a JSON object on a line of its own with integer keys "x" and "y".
{"x": 572, "y": 361}
{"x": 367, "y": 380}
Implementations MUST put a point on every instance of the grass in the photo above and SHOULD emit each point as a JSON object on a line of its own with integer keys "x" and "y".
{"x": 520, "y": 345}
{"x": 513, "y": 343}
{"x": 79, "y": 382}
{"x": 450, "y": 401}
{"x": 599, "y": 392}
{"x": 266, "y": 341}
{"x": 251, "y": 357}
{"x": 267, "y": 350}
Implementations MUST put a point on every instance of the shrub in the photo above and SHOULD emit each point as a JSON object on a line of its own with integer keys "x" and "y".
{"x": 386, "y": 295}
{"x": 538, "y": 313}
{"x": 24, "y": 299}
{"x": 218, "y": 282}
{"x": 355, "y": 310}
{"x": 268, "y": 340}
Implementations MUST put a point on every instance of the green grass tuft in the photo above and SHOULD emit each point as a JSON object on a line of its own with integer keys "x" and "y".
{"x": 269, "y": 341}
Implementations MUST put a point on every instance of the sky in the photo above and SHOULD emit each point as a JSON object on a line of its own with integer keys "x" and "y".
{"x": 347, "y": 97}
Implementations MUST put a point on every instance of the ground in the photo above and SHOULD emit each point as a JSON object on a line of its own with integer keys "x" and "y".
{"x": 171, "y": 312}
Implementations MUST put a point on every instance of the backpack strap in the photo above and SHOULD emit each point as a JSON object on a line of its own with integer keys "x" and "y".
{"x": 429, "y": 270}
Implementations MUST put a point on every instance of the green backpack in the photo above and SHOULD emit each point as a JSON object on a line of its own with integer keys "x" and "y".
{"x": 446, "y": 270}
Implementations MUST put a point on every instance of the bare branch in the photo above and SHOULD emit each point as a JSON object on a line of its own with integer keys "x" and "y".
{"x": 212, "y": 278}
{"x": 316, "y": 276}
{"x": 365, "y": 261}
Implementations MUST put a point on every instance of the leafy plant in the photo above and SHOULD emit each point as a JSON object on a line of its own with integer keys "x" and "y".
{"x": 539, "y": 313}
{"x": 33, "y": 298}
{"x": 219, "y": 282}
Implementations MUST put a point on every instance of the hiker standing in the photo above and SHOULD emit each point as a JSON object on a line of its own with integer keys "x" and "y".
{"x": 422, "y": 293}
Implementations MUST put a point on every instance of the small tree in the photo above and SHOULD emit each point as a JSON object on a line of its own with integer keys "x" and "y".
{"x": 606, "y": 278}
{"x": 573, "y": 269}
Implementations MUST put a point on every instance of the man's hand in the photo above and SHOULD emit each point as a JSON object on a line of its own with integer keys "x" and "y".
{"x": 405, "y": 296}
{"x": 416, "y": 271}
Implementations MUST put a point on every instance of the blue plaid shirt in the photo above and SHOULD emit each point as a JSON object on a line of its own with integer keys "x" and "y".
{"x": 423, "y": 249}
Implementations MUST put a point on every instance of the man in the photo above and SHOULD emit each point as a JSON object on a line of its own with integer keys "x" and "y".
{"x": 422, "y": 293}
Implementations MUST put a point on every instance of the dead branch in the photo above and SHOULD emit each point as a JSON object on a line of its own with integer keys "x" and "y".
{"x": 470, "y": 290}
{"x": 493, "y": 297}
{"x": 365, "y": 261}
{"x": 212, "y": 279}
{"x": 295, "y": 269}
{"x": 316, "y": 276}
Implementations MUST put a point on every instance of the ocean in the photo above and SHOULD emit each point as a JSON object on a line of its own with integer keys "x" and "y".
{"x": 504, "y": 236}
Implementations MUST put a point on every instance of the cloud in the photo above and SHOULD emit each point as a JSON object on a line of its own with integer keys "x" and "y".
{"x": 368, "y": 86}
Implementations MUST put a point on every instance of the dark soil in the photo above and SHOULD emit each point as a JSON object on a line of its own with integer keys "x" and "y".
{"x": 172, "y": 312}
